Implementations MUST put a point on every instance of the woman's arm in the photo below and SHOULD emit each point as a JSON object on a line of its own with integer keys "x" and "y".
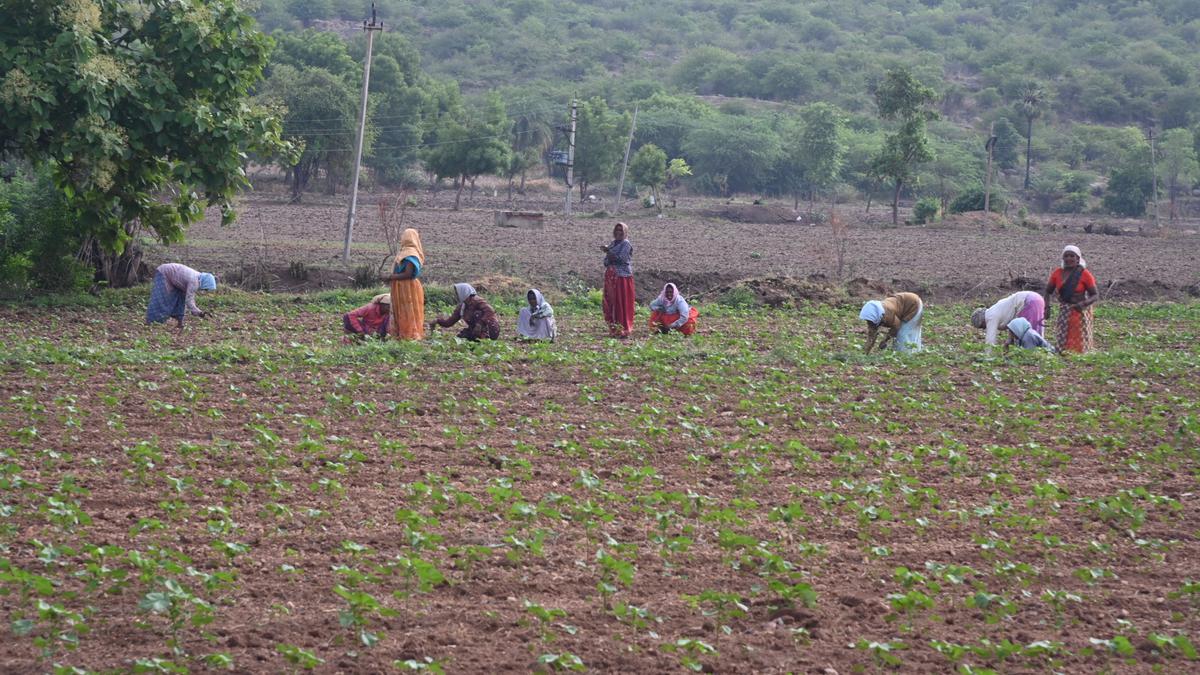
{"x": 872, "y": 334}
{"x": 1090, "y": 295}
{"x": 450, "y": 320}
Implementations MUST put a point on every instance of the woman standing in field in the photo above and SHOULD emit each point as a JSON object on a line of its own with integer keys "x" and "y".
{"x": 473, "y": 311}
{"x": 174, "y": 293}
{"x": 619, "y": 300}
{"x": 408, "y": 295}
{"x": 670, "y": 311}
{"x": 1076, "y": 290}
{"x": 1025, "y": 304}
{"x": 901, "y": 313}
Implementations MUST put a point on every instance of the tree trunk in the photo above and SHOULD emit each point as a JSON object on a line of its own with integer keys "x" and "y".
{"x": 522, "y": 188}
{"x": 896, "y": 203}
{"x": 657, "y": 201}
{"x": 462, "y": 182}
{"x": 795, "y": 200}
{"x": 1172, "y": 211}
{"x": 1028, "y": 148}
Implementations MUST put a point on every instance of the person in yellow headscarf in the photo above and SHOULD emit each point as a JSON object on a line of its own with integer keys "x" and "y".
{"x": 408, "y": 295}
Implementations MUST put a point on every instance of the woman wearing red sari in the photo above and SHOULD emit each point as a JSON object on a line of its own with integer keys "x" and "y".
{"x": 619, "y": 298}
{"x": 1075, "y": 288}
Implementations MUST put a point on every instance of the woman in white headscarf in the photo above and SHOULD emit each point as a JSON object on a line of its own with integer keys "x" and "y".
{"x": 901, "y": 314}
{"x": 1075, "y": 288}
{"x": 536, "y": 321}
{"x": 473, "y": 311}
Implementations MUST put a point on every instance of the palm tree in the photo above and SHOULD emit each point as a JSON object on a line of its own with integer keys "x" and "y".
{"x": 1032, "y": 101}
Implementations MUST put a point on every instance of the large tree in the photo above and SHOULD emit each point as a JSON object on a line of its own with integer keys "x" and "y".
{"x": 599, "y": 142}
{"x": 140, "y": 109}
{"x": 1177, "y": 164}
{"x": 822, "y": 146}
{"x": 472, "y": 146}
{"x": 321, "y": 118}
{"x": 1030, "y": 103}
{"x": 901, "y": 98}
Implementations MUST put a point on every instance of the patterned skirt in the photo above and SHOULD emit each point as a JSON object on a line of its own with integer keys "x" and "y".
{"x": 1073, "y": 330}
{"x": 408, "y": 310}
{"x": 165, "y": 301}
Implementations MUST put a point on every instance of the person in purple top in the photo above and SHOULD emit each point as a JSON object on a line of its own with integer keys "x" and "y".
{"x": 174, "y": 293}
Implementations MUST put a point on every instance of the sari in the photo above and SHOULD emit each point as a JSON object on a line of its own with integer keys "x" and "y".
{"x": 408, "y": 295}
{"x": 1073, "y": 328}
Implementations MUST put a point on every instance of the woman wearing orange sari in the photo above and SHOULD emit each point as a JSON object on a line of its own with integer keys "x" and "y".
{"x": 408, "y": 295}
{"x": 1075, "y": 288}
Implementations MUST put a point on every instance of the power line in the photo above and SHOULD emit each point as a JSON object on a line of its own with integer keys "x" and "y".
{"x": 440, "y": 115}
{"x": 435, "y": 143}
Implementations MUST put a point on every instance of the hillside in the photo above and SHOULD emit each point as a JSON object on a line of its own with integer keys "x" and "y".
{"x": 1104, "y": 62}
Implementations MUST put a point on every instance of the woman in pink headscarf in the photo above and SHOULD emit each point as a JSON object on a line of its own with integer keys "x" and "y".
{"x": 669, "y": 311}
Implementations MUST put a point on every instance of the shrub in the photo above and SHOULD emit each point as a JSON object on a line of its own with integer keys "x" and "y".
{"x": 365, "y": 276}
{"x": 298, "y": 271}
{"x": 39, "y": 244}
{"x": 972, "y": 200}
{"x": 926, "y": 210}
{"x": 1075, "y": 202}
{"x": 738, "y": 297}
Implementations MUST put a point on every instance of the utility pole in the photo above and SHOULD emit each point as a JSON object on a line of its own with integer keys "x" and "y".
{"x": 571, "y": 156}
{"x": 1154, "y": 173}
{"x": 990, "y": 146}
{"x": 625, "y": 165}
{"x": 371, "y": 28}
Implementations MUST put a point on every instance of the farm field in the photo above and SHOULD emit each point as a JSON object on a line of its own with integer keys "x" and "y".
{"x": 256, "y": 495}
{"x": 705, "y": 246}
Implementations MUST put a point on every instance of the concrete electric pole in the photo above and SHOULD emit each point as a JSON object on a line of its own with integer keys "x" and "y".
{"x": 371, "y": 28}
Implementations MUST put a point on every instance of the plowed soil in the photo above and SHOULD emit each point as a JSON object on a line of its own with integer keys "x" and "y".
{"x": 758, "y": 499}
{"x": 700, "y": 245}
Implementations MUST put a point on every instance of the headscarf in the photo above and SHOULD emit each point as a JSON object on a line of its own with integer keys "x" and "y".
{"x": 463, "y": 291}
{"x": 410, "y": 245}
{"x": 542, "y": 305}
{"x": 979, "y": 318}
{"x": 1075, "y": 249}
{"x": 382, "y": 299}
{"x": 1019, "y": 327}
{"x": 662, "y": 297}
{"x": 872, "y": 311}
{"x": 624, "y": 229}
{"x": 207, "y": 282}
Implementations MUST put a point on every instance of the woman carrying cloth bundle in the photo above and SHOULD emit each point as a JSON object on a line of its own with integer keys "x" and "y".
{"x": 408, "y": 295}
{"x": 1075, "y": 288}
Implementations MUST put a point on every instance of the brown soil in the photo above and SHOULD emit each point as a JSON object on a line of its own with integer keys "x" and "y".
{"x": 324, "y": 460}
{"x": 954, "y": 260}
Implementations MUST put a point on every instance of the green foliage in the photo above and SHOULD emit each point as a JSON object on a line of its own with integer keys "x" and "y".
{"x": 733, "y": 154}
{"x": 972, "y": 200}
{"x": 321, "y": 119}
{"x": 1128, "y": 190}
{"x": 926, "y": 210}
{"x": 140, "y": 109}
{"x": 38, "y": 239}
{"x": 471, "y": 146}
{"x": 900, "y": 97}
{"x": 599, "y": 142}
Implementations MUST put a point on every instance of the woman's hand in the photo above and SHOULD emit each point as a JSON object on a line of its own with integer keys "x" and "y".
{"x": 604, "y": 247}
